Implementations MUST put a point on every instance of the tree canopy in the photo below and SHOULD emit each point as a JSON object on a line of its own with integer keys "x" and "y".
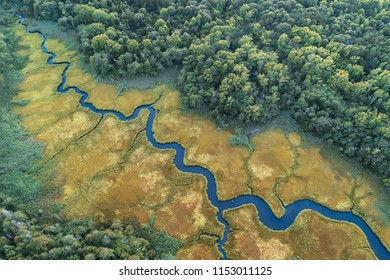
{"x": 243, "y": 62}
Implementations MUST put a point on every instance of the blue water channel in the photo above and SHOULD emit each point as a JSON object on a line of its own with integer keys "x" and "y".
{"x": 264, "y": 212}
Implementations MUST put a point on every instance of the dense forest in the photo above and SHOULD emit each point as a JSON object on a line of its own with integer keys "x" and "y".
{"x": 43, "y": 233}
{"x": 47, "y": 236}
{"x": 244, "y": 61}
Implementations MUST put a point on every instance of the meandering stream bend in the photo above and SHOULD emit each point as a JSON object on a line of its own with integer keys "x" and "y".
{"x": 264, "y": 212}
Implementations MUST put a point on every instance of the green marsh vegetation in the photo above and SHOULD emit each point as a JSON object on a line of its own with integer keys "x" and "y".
{"x": 240, "y": 139}
{"x": 17, "y": 152}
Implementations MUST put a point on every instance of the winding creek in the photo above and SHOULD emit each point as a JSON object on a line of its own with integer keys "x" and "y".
{"x": 264, "y": 212}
